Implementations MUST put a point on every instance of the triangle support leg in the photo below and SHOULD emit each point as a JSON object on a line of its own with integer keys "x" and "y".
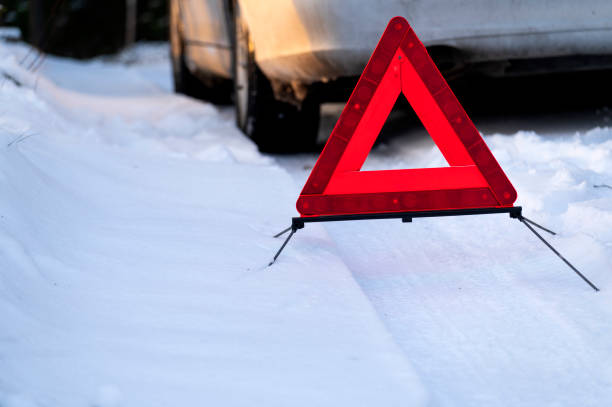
{"x": 282, "y": 247}
{"x": 538, "y": 226}
{"x": 296, "y": 224}
{"x": 279, "y": 234}
{"x": 526, "y": 223}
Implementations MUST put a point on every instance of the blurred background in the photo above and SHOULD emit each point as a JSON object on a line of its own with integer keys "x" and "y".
{"x": 86, "y": 28}
{"x": 510, "y": 65}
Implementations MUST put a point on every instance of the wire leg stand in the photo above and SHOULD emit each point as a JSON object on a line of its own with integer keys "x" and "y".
{"x": 538, "y": 226}
{"x": 279, "y": 234}
{"x": 526, "y": 223}
{"x": 293, "y": 230}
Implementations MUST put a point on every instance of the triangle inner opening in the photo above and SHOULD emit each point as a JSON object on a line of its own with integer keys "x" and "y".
{"x": 403, "y": 143}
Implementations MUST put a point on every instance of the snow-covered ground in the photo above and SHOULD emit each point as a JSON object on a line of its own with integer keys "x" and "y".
{"x": 135, "y": 231}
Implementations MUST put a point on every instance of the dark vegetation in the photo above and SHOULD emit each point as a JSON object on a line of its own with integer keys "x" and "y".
{"x": 83, "y": 28}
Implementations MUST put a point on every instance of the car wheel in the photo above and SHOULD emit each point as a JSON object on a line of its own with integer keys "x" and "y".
{"x": 185, "y": 82}
{"x": 273, "y": 125}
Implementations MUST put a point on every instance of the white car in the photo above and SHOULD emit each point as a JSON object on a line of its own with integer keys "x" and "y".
{"x": 283, "y": 57}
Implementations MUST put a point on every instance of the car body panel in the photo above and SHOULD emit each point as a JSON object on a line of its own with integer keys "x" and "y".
{"x": 317, "y": 40}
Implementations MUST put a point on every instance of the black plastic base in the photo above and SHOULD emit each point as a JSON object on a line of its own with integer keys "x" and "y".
{"x": 298, "y": 223}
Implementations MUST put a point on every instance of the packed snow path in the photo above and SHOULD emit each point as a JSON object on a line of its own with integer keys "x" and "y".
{"x": 483, "y": 310}
{"x": 135, "y": 230}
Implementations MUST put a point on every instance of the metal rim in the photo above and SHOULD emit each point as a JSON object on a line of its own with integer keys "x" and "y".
{"x": 175, "y": 36}
{"x": 242, "y": 50}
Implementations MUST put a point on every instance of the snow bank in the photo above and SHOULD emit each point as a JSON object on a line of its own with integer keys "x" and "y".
{"x": 135, "y": 231}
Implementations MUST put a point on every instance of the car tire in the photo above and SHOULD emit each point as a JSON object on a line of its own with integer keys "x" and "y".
{"x": 275, "y": 126}
{"x": 185, "y": 82}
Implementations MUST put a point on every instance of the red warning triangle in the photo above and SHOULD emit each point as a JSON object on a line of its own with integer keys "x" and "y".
{"x": 400, "y": 63}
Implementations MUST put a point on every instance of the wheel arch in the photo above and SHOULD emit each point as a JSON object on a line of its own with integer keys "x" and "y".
{"x": 294, "y": 91}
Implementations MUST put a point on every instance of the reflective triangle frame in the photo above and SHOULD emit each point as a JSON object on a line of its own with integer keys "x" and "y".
{"x": 400, "y": 64}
